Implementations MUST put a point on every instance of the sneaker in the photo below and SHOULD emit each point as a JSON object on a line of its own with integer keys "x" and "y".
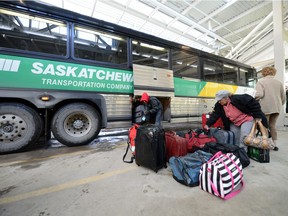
{"x": 275, "y": 148}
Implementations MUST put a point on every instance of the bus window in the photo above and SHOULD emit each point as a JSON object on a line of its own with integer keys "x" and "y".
{"x": 247, "y": 77}
{"x": 185, "y": 64}
{"x": 212, "y": 71}
{"x": 99, "y": 46}
{"x": 230, "y": 74}
{"x": 32, "y": 33}
{"x": 149, "y": 55}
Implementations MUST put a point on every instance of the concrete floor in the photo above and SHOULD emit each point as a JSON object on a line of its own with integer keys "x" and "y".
{"x": 93, "y": 180}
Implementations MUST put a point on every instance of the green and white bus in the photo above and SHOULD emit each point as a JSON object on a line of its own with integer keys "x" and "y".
{"x": 71, "y": 75}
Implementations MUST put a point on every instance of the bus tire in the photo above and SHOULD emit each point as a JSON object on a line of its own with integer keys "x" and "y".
{"x": 20, "y": 127}
{"x": 76, "y": 124}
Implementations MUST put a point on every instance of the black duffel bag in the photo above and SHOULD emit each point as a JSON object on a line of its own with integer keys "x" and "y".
{"x": 214, "y": 147}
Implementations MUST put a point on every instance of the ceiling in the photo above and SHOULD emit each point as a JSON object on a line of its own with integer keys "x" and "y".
{"x": 236, "y": 29}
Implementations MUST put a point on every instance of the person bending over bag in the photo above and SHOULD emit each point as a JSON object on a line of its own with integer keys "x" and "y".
{"x": 155, "y": 107}
{"x": 238, "y": 113}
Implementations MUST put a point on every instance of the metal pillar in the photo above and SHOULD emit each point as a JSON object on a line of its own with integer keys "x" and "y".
{"x": 279, "y": 54}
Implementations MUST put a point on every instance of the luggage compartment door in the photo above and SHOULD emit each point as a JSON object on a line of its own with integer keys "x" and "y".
{"x": 155, "y": 81}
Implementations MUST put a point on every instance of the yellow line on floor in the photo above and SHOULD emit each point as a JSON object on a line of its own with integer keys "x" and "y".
{"x": 50, "y": 157}
{"x": 44, "y": 158}
{"x": 64, "y": 186}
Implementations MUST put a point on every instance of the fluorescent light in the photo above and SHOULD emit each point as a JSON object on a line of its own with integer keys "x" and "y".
{"x": 12, "y": 13}
{"x": 39, "y": 34}
{"x": 99, "y": 33}
{"x": 207, "y": 68}
{"x": 149, "y": 46}
{"x": 228, "y": 66}
{"x": 5, "y": 27}
{"x": 243, "y": 70}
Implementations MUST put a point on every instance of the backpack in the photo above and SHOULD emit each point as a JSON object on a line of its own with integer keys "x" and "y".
{"x": 139, "y": 117}
{"x": 131, "y": 142}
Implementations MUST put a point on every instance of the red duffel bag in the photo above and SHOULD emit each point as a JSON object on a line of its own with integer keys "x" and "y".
{"x": 175, "y": 145}
{"x": 197, "y": 139}
{"x": 217, "y": 124}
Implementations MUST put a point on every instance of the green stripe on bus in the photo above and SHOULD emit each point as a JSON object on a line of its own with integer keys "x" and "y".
{"x": 189, "y": 88}
{"x": 21, "y": 72}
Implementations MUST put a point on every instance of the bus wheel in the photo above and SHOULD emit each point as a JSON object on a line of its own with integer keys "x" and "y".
{"x": 76, "y": 124}
{"x": 20, "y": 127}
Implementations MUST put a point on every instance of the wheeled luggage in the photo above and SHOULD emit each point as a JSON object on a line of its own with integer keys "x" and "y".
{"x": 218, "y": 123}
{"x": 260, "y": 155}
{"x": 186, "y": 169}
{"x": 150, "y": 147}
{"x": 175, "y": 145}
{"x": 197, "y": 139}
{"x": 214, "y": 147}
{"x": 223, "y": 136}
{"x": 139, "y": 116}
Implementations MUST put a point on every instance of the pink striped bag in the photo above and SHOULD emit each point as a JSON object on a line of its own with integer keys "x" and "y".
{"x": 222, "y": 175}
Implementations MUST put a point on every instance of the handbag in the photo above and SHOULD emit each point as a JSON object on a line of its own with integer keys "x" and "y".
{"x": 263, "y": 141}
{"x": 222, "y": 176}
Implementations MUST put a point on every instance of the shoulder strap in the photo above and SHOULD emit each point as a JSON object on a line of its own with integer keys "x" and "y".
{"x": 131, "y": 129}
{"x": 132, "y": 158}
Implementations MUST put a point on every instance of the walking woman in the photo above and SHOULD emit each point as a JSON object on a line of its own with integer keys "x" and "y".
{"x": 271, "y": 95}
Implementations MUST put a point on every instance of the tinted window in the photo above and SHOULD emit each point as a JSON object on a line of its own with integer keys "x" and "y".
{"x": 212, "y": 71}
{"x": 32, "y": 33}
{"x": 149, "y": 54}
{"x": 95, "y": 45}
{"x": 184, "y": 64}
{"x": 230, "y": 74}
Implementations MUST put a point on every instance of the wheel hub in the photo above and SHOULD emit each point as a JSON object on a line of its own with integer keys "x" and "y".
{"x": 11, "y": 127}
{"x": 78, "y": 124}
{"x": 8, "y": 128}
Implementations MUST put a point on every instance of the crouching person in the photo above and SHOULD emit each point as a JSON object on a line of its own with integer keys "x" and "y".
{"x": 238, "y": 113}
{"x": 155, "y": 107}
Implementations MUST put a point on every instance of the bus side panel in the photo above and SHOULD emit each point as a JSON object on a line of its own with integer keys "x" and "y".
{"x": 119, "y": 109}
{"x": 56, "y": 99}
{"x": 184, "y": 109}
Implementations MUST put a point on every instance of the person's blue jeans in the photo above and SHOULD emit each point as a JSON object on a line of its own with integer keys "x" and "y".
{"x": 158, "y": 117}
{"x": 241, "y": 132}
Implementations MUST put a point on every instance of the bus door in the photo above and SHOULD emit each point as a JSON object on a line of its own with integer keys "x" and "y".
{"x": 157, "y": 82}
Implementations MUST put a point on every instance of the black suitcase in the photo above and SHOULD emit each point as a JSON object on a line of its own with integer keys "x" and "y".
{"x": 150, "y": 149}
{"x": 214, "y": 147}
{"x": 139, "y": 117}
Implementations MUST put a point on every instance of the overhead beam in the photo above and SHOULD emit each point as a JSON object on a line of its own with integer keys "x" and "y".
{"x": 258, "y": 36}
{"x": 155, "y": 22}
{"x": 188, "y": 21}
{"x": 235, "y": 49}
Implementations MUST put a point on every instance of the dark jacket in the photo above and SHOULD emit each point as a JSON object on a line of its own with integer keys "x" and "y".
{"x": 154, "y": 105}
{"x": 245, "y": 103}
